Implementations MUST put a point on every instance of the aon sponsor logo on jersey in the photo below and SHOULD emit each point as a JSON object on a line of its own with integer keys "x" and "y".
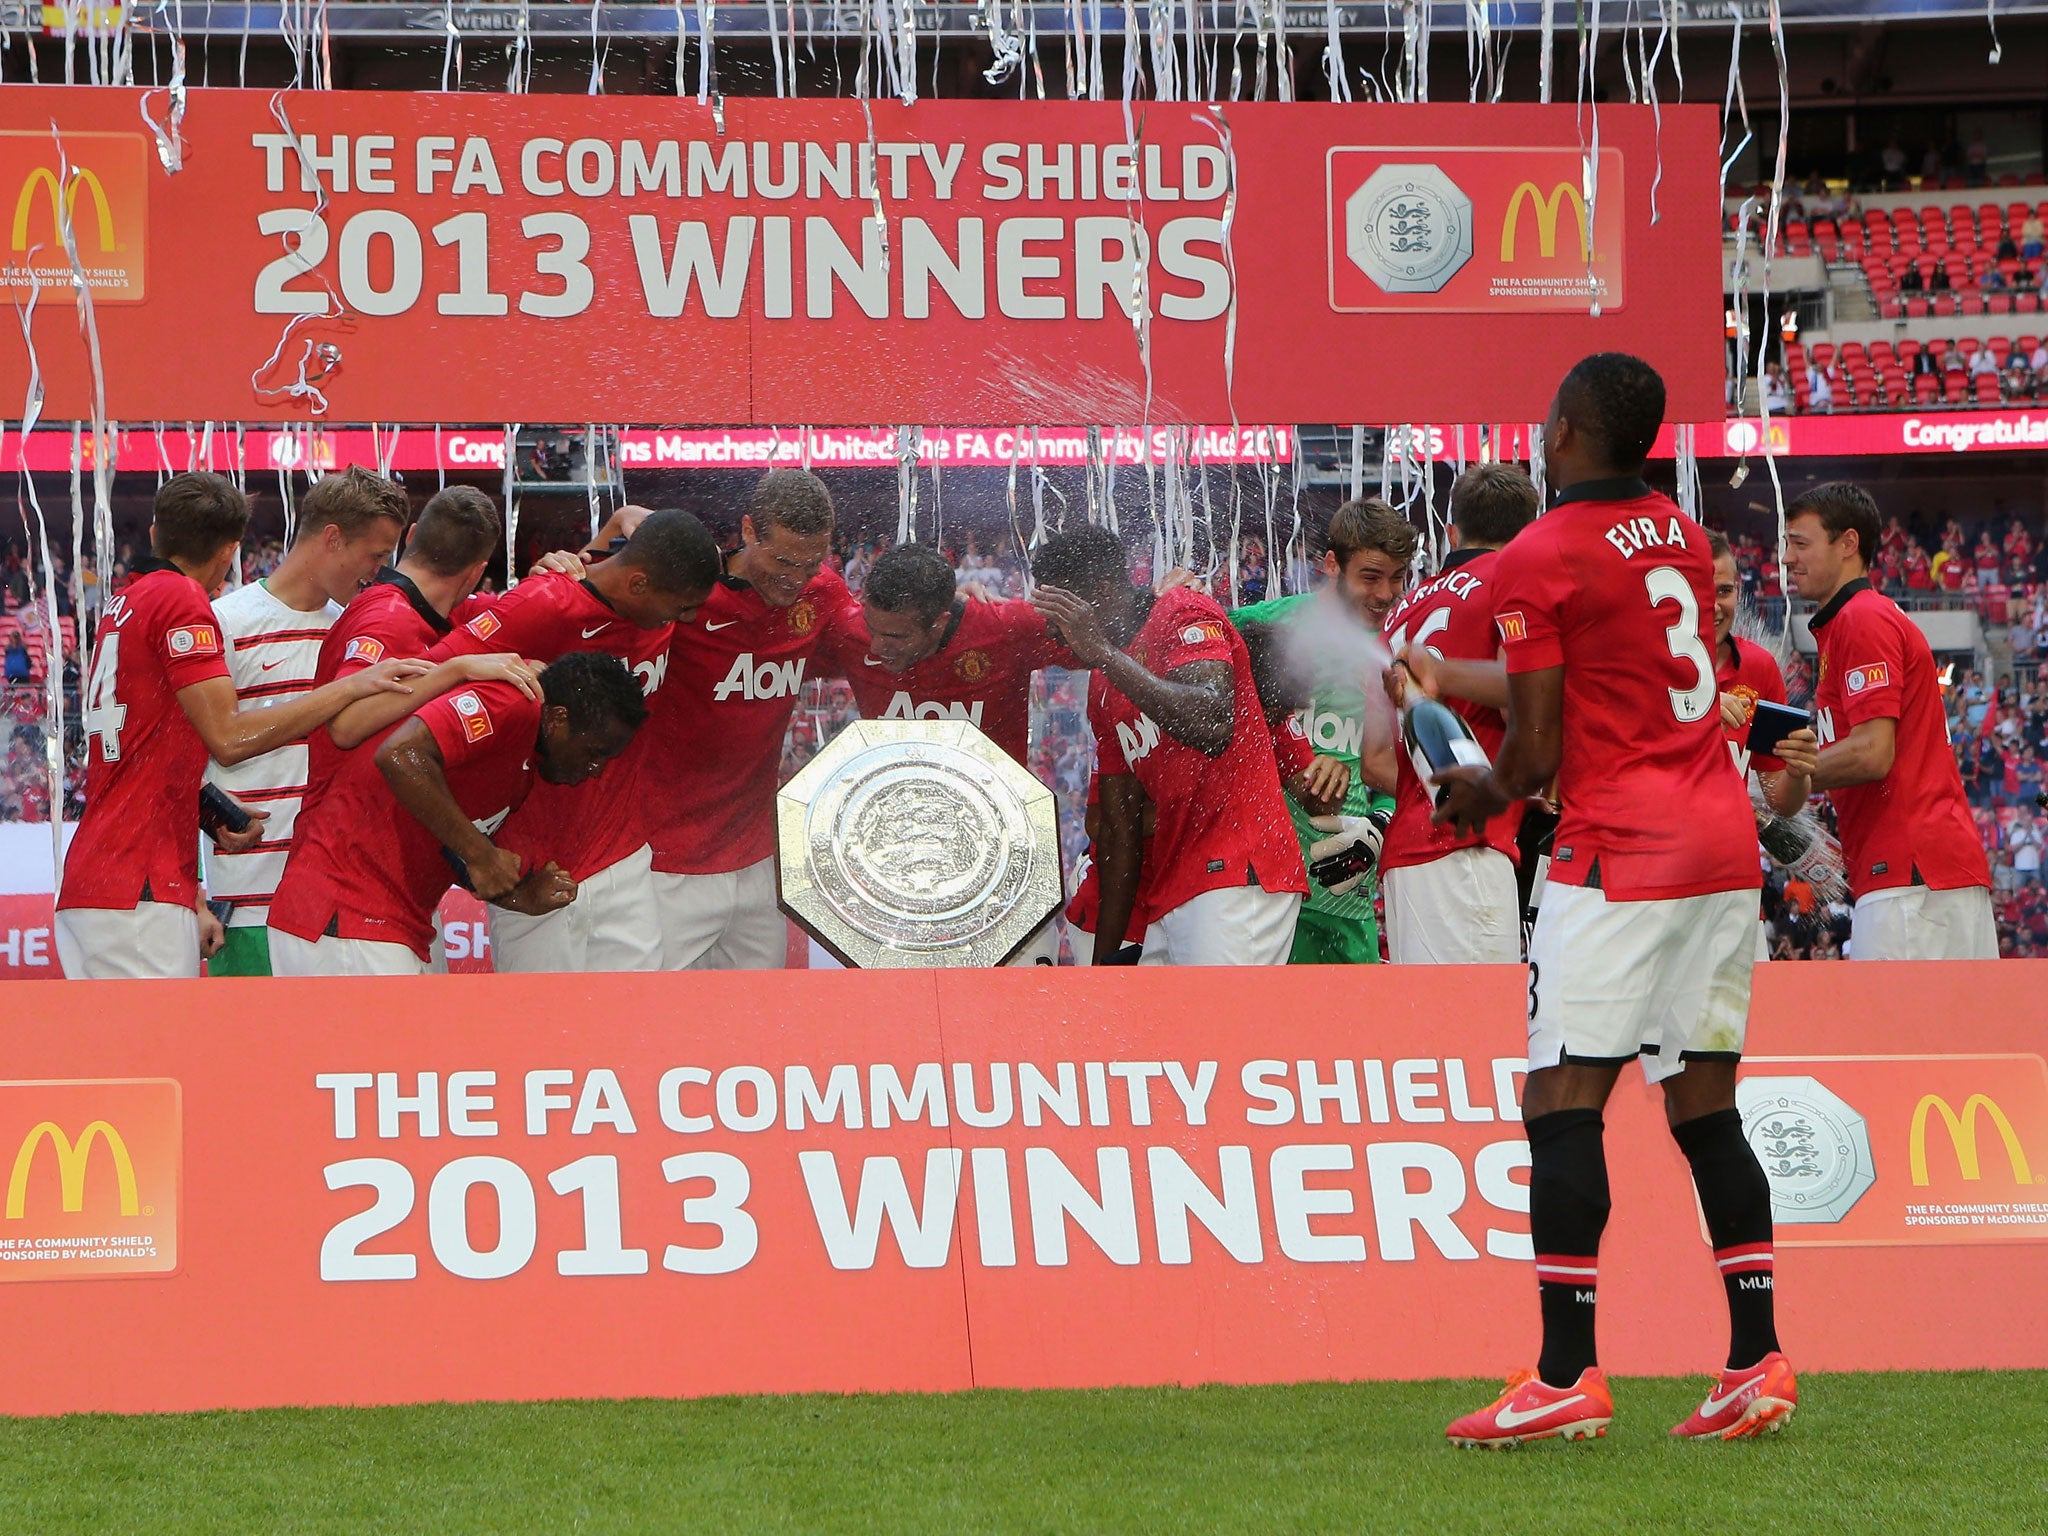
{"x": 1136, "y": 740}
{"x": 904, "y": 707}
{"x": 768, "y": 680}
{"x": 1328, "y": 731}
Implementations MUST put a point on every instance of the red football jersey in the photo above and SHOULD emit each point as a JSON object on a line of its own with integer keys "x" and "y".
{"x": 139, "y": 837}
{"x": 717, "y": 725}
{"x": 1221, "y": 821}
{"x": 363, "y": 867}
{"x": 1617, "y": 587}
{"x": 1452, "y": 616}
{"x": 590, "y": 826}
{"x": 1912, "y": 826}
{"x": 980, "y": 672}
{"x": 1750, "y": 672}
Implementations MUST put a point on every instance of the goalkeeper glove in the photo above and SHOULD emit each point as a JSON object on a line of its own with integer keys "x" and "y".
{"x": 1351, "y": 851}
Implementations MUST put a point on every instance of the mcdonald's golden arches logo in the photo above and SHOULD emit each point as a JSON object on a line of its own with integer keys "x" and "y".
{"x": 97, "y": 187}
{"x": 72, "y": 1159}
{"x": 1962, "y": 1134}
{"x": 1546, "y": 210}
{"x": 63, "y": 206}
{"x": 93, "y": 1178}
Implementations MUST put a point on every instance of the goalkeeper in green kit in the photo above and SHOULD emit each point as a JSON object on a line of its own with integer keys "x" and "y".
{"x": 1323, "y": 638}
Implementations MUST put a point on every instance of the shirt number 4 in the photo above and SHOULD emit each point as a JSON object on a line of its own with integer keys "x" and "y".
{"x": 104, "y": 714}
{"x": 1667, "y": 585}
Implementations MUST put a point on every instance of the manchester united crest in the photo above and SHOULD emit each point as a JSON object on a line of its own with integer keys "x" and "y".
{"x": 802, "y": 616}
{"x": 972, "y": 667}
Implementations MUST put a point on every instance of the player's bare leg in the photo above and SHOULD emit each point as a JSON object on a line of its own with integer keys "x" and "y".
{"x": 1757, "y": 1392}
{"x": 1565, "y": 1396}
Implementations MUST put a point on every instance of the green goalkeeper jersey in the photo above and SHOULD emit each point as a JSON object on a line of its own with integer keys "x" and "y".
{"x": 1335, "y": 724}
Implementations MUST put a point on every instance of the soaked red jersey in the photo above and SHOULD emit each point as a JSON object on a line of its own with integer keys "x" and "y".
{"x": 1221, "y": 821}
{"x": 1913, "y": 826}
{"x": 139, "y": 837}
{"x": 1617, "y": 587}
{"x": 590, "y": 826}
{"x": 1452, "y": 616}
{"x": 363, "y": 867}
{"x": 1751, "y": 673}
{"x": 981, "y": 672}
{"x": 717, "y": 725}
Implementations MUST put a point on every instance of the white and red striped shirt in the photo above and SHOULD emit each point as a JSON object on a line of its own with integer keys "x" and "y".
{"x": 273, "y": 653}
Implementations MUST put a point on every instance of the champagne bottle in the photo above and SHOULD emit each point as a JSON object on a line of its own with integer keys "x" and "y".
{"x": 1438, "y": 738}
{"x": 1782, "y": 841}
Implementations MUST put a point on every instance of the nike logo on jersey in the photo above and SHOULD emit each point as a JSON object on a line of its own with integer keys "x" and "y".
{"x": 607, "y": 624}
{"x": 870, "y": 661}
{"x": 1715, "y": 1403}
{"x": 265, "y": 666}
{"x": 721, "y": 624}
{"x": 1510, "y": 1418}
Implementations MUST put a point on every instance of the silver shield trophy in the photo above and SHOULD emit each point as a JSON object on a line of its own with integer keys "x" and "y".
{"x": 912, "y": 843}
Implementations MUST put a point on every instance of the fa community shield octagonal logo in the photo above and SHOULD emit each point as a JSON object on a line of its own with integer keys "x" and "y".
{"x": 1815, "y": 1148}
{"x": 1408, "y": 228}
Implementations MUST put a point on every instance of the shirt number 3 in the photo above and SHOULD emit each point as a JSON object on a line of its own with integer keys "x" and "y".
{"x": 1667, "y": 585}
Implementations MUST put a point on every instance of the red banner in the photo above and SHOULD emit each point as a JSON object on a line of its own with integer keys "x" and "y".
{"x": 423, "y": 257}
{"x": 674, "y": 1185}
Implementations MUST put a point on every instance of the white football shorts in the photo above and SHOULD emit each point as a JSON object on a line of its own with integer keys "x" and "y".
{"x": 612, "y": 925}
{"x": 1461, "y": 909}
{"x": 722, "y": 922}
{"x": 155, "y": 939}
{"x": 1664, "y": 980}
{"x": 1236, "y": 925}
{"x": 328, "y": 955}
{"x": 1911, "y": 922}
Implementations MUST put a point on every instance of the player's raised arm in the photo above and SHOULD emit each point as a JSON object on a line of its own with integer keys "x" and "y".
{"x": 1195, "y": 703}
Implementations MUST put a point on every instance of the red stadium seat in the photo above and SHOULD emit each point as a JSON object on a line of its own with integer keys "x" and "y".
{"x": 1938, "y": 346}
{"x": 2027, "y": 343}
{"x": 2001, "y": 349}
{"x": 1955, "y": 389}
{"x": 2028, "y": 303}
{"x": 1926, "y": 389}
{"x": 1822, "y": 353}
{"x": 1998, "y": 303}
{"x": 1987, "y": 389}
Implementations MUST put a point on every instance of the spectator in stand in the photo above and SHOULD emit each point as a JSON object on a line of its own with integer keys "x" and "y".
{"x": 1976, "y": 700}
{"x": 1820, "y": 391}
{"x": 1919, "y": 570}
{"x": 2016, "y": 383}
{"x": 2037, "y": 361}
{"x": 1982, "y": 362}
{"x": 2019, "y": 545}
{"x": 1910, "y": 280}
{"x": 1937, "y": 280}
{"x": 2031, "y": 237}
{"x": 2023, "y": 841}
{"x": 17, "y": 664}
{"x": 1776, "y": 398}
{"x": 2021, "y": 636}
{"x": 2004, "y": 878}
{"x": 2007, "y": 251}
{"x": 1987, "y": 556}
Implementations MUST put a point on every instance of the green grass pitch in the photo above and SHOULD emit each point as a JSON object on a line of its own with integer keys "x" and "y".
{"x": 1921, "y": 1453}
